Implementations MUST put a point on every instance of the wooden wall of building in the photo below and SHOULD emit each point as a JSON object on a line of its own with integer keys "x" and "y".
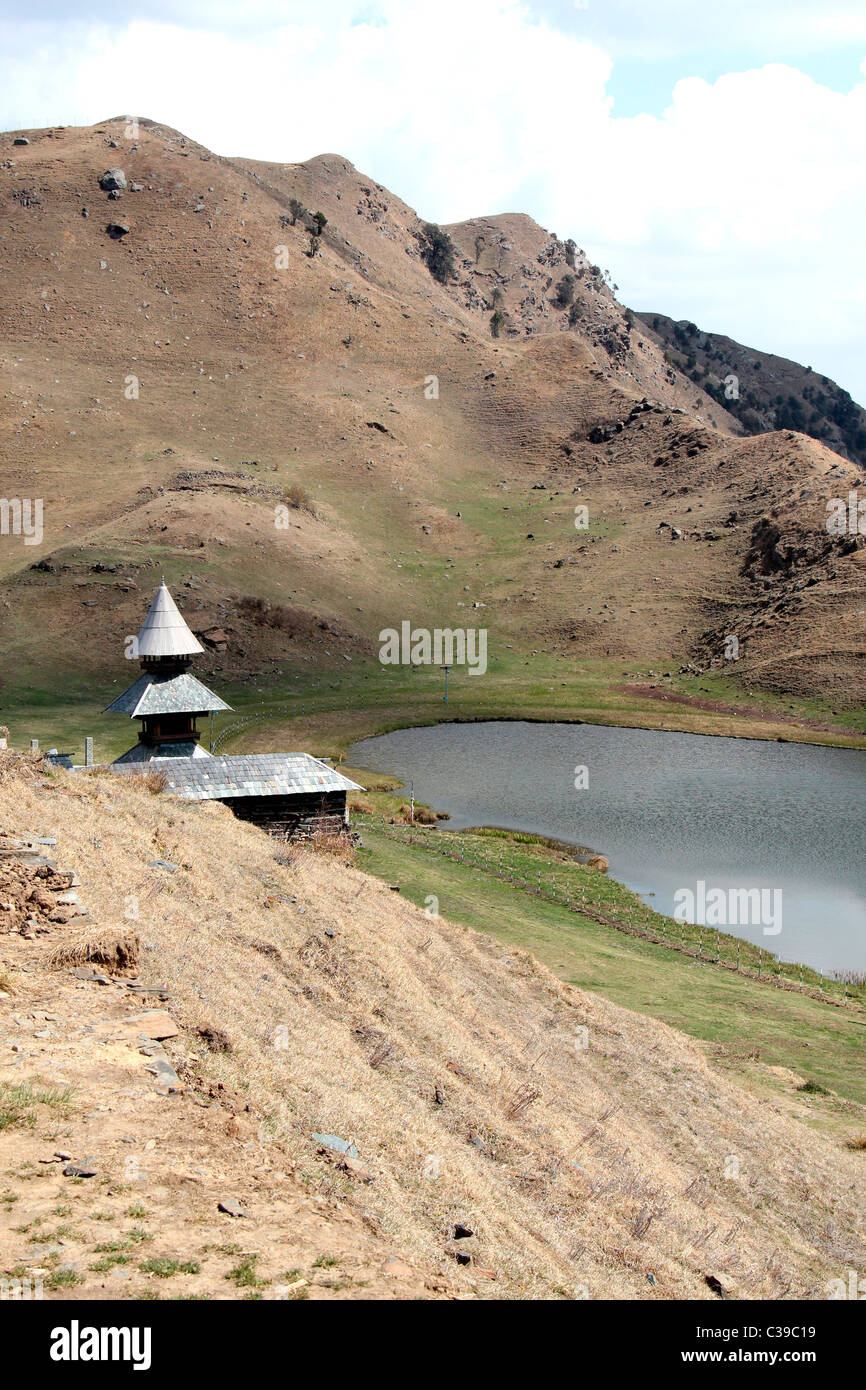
{"x": 297, "y": 816}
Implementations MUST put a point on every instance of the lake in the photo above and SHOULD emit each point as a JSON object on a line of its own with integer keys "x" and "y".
{"x": 769, "y": 839}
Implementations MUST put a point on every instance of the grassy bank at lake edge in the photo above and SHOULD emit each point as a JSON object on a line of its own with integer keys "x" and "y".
{"x": 741, "y": 1020}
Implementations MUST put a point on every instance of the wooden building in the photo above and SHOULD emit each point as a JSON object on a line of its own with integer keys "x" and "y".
{"x": 292, "y": 794}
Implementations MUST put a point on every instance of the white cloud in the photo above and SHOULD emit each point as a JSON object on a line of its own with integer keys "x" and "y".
{"x": 740, "y": 207}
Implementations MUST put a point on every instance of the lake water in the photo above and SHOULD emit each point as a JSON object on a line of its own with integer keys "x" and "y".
{"x": 670, "y": 811}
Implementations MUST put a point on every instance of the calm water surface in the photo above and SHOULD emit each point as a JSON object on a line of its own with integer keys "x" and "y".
{"x": 667, "y": 810}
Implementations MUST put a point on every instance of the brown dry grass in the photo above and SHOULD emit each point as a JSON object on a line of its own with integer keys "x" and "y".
{"x": 334, "y": 846}
{"x": 585, "y": 1145}
{"x": 116, "y": 951}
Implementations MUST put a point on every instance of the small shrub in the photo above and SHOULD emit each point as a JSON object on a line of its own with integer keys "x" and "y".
{"x": 337, "y": 846}
{"x": 497, "y": 319}
{"x": 298, "y": 498}
{"x": 564, "y": 292}
{"x": 521, "y": 1098}
{"x": 437, "y": 250}
{"x": 155, "y": 782}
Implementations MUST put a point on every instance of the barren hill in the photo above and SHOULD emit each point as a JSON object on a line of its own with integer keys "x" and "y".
{"x": 178, "y": 358}
{"x": 516, "y": 1137}
{"x": 764, "y": 391}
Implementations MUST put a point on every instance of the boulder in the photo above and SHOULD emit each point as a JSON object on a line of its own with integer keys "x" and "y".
{"x": 112, "y": 179}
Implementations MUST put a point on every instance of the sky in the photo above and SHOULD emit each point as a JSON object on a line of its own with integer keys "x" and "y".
{"x": 711, "y": 156}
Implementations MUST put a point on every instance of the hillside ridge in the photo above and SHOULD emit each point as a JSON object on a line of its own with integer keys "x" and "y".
{"x": 181, "y": 356}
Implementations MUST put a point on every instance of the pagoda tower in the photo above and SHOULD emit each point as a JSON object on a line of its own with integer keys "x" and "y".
{"x": 166, "y": 697}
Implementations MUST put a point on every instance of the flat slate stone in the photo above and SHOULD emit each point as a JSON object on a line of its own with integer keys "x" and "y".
{"x": 153, "y": 1023}
{"x": 160, "y": 1067}
{"x": 337, "y": 1145}
{"x": 231, "y": 1207}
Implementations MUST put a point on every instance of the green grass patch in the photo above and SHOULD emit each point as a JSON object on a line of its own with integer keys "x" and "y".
{"x": 244, "y": 1273}
{"x": 164, "y": 1267}
{"x": 747, "y": 1017}
{"x": 19, "y": 1102}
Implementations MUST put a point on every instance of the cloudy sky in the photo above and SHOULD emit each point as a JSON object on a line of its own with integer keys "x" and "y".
{"x": 712, "y": 156}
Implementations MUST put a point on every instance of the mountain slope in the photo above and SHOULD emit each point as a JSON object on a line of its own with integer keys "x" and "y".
{"x": 167, "y": 387}
{"x": 763, "y": 391}
{"x": 585, "y": 1147}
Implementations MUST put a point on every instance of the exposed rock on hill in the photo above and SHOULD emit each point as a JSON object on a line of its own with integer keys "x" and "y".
{"x": 763, "y": 391}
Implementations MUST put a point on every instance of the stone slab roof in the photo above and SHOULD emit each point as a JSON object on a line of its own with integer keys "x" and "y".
{"x": 164, "y": 632}
{"x": 166, "y": 694}
{"x": 253, "y": 774}
{"x": 147, "y": 753}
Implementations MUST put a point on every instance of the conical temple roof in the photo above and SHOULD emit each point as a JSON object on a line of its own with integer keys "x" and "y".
{"x": 164, "y": 632}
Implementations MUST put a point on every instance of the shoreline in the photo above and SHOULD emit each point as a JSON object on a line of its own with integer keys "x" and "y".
{"x": 577, "y": 853}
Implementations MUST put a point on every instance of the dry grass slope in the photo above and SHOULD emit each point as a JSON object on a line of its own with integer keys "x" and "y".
{"x": 457, "y": 1067}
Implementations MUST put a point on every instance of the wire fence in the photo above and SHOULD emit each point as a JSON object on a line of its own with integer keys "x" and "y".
{"x": 588, "y": 893}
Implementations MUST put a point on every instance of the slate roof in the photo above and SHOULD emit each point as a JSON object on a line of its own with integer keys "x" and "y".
{"x": 164, "y": 632}
{"x": 166, "y": 694}
{"x": 147, "y": 752}
{"x": 254, "y": 774}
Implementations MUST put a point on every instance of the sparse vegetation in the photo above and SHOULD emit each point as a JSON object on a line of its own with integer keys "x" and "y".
{"x": 20, "y": 1102}
{"x": 163, "y": 1267}
{"x": 65, "y": 1278}
{"x": 296, "y": 497}
{"x": 244, "y": 1273}
{"x": 109, "y": 1262}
